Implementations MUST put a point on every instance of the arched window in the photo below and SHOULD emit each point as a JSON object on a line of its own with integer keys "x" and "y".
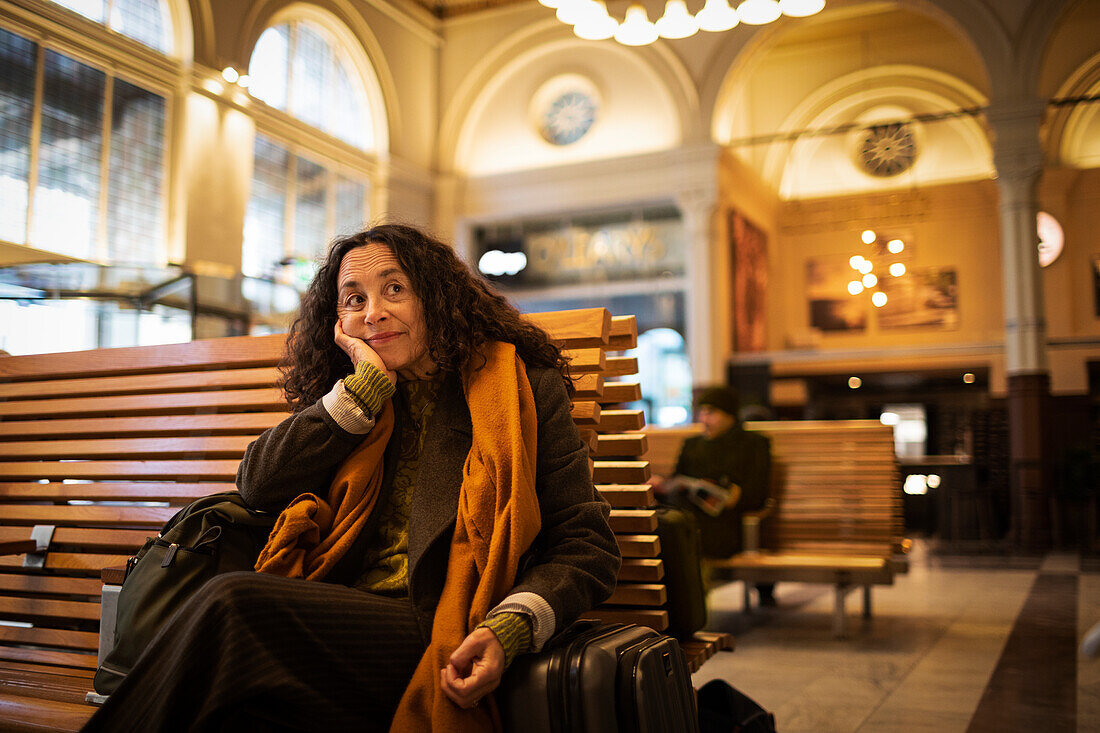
{"x": 298, "y": 67}
{"x": 145, "y": 21}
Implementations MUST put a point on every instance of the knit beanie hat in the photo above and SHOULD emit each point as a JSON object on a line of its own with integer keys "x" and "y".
{"x": 723, "y": 398}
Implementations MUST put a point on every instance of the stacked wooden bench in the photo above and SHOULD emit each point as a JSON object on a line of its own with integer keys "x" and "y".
{"x": 834, "y": 513}
{"x": 99, "y": 448}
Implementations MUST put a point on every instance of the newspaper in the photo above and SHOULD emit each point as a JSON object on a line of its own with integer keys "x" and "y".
{"x": 707, "y": 495}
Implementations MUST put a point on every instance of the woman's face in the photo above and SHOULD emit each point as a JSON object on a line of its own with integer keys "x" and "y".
{"x": 375, "y": 302}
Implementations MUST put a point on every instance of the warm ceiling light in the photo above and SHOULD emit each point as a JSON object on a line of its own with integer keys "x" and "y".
{"x": 866, "y": 266}
{"x": 574, "y": 11}
{"x": 870, "y": 280}
{"x": 244, "y": 81}
{"x": 968, "y": 378}
{"x": 636, "y": 30}
{"x": 758, "y": 12}
{"x": 868, "y": 236}
{"x": 878, "y": 299}
{"x": 895, "y": 245}
{"x": 677, "y": 22}
{"x": 550, "y": 3}
{"x": 801, "y": 8}
{"x": 855, "y": 287}
{"x": 855, "y": 382}
{"x": 230, "y": 74}
{"x": 897, "y": 269}
{"x": 597, "y": 26}
{"x": 855, "y": 261}
{"x": 717, "y": 16}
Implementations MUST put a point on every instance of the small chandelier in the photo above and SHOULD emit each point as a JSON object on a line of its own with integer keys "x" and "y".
{"x": 887, "y": 253}
{"x": 592, "y": 22}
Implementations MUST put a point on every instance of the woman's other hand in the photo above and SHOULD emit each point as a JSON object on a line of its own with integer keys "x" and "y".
{"x": 358, "y": 350}
{"x": 475, "y": 668}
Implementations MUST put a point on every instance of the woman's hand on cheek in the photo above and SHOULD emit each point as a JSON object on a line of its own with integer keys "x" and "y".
{"x": 474, "y": 670}
{"x": 358, "y": 350}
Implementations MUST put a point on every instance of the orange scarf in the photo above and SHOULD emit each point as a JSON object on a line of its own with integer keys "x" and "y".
{"x": 498, "y": 519}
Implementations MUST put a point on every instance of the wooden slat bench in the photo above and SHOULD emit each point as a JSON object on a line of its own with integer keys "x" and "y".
{"x": 99, "y": 448}
{"x": 835, "y": 510}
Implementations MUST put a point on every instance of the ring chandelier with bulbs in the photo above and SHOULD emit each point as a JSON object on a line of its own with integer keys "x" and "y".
{"x": 591, "y": 21}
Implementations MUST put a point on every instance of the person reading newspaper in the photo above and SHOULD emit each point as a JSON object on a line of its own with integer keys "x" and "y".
{"x": 720, "y": 475}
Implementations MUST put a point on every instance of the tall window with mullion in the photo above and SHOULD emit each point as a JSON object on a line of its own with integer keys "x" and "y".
{"x": 297, "y": 205}
{"x": 92, "y": 187}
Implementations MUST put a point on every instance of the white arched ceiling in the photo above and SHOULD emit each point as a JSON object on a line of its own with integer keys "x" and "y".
{"x": 779, "y": 67}
{"x": 638, "y": 113}
{"x": 1073, "y": 134}
{"x": 949, "y": 150}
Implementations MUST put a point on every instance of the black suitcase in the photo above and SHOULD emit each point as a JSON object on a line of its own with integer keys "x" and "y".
{"x": 682, "y": 554}
{"x": 601, "y": 678}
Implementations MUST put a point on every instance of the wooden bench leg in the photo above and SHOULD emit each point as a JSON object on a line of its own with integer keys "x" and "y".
{"x": 867, "y": 601}
{"x": 840, "y": 619}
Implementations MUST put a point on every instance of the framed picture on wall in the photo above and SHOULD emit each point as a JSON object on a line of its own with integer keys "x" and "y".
{"x": 832, "y": 308}
{"x": 1096, "y": 284}
{"x": 749, "y": 256}
{"x": 924, "y": 297}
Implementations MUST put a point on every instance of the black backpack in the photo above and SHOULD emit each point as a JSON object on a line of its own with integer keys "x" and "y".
{"x": 215, "y": 534}
{"x": 725, "y": 709}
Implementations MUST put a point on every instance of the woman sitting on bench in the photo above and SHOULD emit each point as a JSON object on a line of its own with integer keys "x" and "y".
{"x": 431, "y": 478}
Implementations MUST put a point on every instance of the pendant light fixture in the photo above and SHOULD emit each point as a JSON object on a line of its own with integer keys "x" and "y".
{"x": 759, "y": 12}
{"x": 591, "y": 21}
{"x": 677, "y": 22}
{"x": 717, "y": 16}
{"x": 636, "y": 30}
{"x": 597, "y": 25}
{"x": 801, "y": 8}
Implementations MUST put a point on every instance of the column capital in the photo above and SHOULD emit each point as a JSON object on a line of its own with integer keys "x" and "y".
{"x": 1017, "y": 151}
{"x": 696, "y": 202}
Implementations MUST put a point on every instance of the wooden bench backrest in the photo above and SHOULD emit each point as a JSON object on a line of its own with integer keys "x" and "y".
{"x": 106, "y": 445}
{"x": 836, "y": 484}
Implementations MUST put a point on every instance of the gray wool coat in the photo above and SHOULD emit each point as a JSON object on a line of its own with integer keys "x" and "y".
{"x": 575, "y": 559}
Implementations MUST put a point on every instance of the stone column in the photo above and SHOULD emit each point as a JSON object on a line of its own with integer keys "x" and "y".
{"x": 697, "y": 208}
{"x": 1019, "y": 161}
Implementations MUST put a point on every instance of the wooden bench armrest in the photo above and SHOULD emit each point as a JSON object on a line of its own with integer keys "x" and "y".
{"x": 18, "y": 547}
{"x": 113, "y": 575}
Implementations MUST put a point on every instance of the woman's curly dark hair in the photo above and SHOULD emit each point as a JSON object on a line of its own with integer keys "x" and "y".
{"x": 461, "y": 314}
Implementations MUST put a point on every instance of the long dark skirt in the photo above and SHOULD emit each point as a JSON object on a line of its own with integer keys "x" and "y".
{"x": 254, "y": 652}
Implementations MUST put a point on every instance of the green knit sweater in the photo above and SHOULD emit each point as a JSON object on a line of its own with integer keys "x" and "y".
{"x": 386, "y": 562}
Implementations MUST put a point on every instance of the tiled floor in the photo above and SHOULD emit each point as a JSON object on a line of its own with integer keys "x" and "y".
{"x": 939, "y": 641}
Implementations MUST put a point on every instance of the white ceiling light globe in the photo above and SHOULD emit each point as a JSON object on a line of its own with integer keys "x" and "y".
{"x": 596, "y": 26}
{"x": 636, "y": 30}
{"x": 855, "y": 287}
{"x": 572, "y": 12}
{"x": 677, "y": 22}
{"x": 801, "y": 8}
{"x": 878, "y": 299}
{"x": 758, "y": 12}
{"x": 717, "y": 16}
